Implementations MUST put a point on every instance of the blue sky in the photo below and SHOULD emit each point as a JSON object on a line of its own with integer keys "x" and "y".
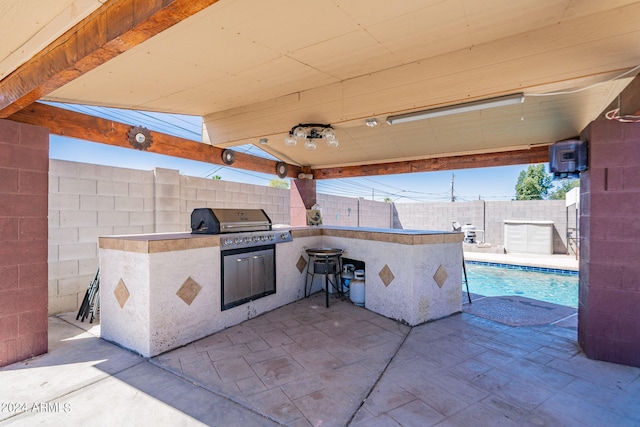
{"x": 497, "y": 183}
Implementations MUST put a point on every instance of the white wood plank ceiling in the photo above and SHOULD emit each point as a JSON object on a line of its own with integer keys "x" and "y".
{"x": 255, "y": 68}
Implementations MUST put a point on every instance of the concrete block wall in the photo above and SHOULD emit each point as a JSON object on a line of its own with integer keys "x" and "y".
{"x": 533, "y": 210}
{"x": 438, "y": 215}
{"x": 488, "y": 216}
{"x": 428, "y": 216}
{"x": 339, "y": 211}
{"x": 167, "y": 201}
{"x": 351, "y": 212}
{"x": 211, "y": 193}
{"x": 87, "y": 201}
{"x": 375, "y": 214}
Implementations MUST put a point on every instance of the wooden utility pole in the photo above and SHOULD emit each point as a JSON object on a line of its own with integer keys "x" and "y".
{"x": 453, "y": 198}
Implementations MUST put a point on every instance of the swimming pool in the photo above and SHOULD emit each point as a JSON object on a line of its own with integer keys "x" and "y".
{"x": 550, "y": 285}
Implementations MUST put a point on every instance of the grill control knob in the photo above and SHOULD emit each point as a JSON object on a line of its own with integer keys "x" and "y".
{"x": 238, "y": 240}
{"x": 263, "y": 238}
{"x": 254, "y": 238}
{"x": 247, "y": 239}
{"x": 270, "y": 236}
{"x": 227, "y": 242}
{"x": 284, "y": 236}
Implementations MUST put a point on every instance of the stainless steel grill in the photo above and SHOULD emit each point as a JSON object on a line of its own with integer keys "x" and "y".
{"x": 216, "y": 221}
{"x": 238, "y": 228}
{"x": 247, "y": 251}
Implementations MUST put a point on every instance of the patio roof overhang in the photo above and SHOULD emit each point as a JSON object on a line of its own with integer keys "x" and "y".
{"x": 253, "y": 70}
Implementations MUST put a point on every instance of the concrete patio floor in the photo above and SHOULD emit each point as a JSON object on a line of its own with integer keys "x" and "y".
{"x": 303, "y": 365}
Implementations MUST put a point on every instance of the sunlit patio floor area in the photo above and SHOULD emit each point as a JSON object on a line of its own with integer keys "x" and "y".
{"x": 306, "y": 365}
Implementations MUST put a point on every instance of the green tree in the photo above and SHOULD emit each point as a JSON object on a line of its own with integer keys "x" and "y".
{"x": 533, "y": 184}
{"x": 278, "y": 183}
{"x": 565, "y": 187}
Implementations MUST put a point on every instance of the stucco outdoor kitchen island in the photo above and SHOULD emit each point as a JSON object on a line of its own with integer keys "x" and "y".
{"x": 162, "y": 291}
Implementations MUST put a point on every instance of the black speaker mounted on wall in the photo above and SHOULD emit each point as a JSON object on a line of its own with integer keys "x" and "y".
{"x": 568, "y": 158}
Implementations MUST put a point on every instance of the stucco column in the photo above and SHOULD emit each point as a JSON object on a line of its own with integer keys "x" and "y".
{"x": 608, "y": 312}
{"x": 24, "y": 190}
{"x": 303, "y": 197}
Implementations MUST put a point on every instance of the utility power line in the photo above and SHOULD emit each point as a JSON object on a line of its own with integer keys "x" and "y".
{"x": 190, "y": 127}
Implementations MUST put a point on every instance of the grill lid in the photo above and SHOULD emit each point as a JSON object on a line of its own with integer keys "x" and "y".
{"x": 218, "y": 220}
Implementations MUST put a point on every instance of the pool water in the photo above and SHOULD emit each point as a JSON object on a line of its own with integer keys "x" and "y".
{"x": 551, "y": 287}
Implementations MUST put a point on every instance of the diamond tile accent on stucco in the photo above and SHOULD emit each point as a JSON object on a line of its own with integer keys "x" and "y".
{"x": 301, "y": 264}
{"x": 386, "y": 275}
{"x": 441, "y": 276}
{"x": 189, "y": 290}
{"x": 122, "y": 293}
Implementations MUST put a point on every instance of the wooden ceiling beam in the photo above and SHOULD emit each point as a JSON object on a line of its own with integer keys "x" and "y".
{"x": 112, "y": 29}
{"x": 537, "y": 154}
{"x": 95, "y": 129}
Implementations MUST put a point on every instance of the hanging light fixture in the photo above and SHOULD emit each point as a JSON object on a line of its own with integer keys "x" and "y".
{"x": 310, "y": 132}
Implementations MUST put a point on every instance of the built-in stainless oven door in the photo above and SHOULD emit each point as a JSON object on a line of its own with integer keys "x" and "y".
{"x": 247, "y": 274}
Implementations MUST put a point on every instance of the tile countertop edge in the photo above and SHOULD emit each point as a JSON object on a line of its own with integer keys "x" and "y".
{"x": 389, "y": 235}
{"x": 168, "y": 242}
{"x": 158, "y": 242}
